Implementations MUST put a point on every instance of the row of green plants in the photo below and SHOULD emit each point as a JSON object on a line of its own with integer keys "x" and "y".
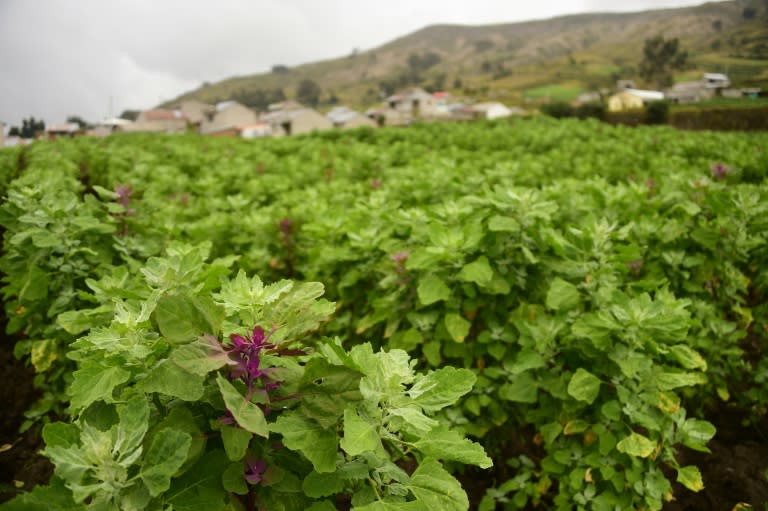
{"x": 595, "y": 287}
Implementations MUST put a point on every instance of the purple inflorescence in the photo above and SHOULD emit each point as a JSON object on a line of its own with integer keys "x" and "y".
{"x": 719, "y": 171}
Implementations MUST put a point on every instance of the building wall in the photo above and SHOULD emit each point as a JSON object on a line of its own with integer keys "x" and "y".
{"x": 235, "y": 115}
{"x": 196, "y": 110}
{"x": 624, "y": 101}
{"x": 359, "y": 121}
{"x": 166, "y": 126}
{"x": 2, "y": 134}
{"x": 308, "y": 121}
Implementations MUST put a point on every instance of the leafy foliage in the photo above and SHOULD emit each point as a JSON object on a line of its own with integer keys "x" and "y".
{"x": 595, "y": 286}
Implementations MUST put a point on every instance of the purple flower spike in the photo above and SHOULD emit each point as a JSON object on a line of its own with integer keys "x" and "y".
{"x": 124, "y": 193}
{"x": 719, "y": 171}
{"x": 254, "y": 471}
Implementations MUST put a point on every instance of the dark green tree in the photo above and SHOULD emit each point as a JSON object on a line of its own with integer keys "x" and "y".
{"x": 661, "y": 58}
{"x": 30, "y": 128}
{"x": 308, "y": 92}
{"x": 14, "y": 131}
{"x": 130, "y": 115}
{"x": 77, "y": 120}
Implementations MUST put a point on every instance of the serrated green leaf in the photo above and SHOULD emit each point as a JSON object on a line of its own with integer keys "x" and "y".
{"x": 526, "y": 360}
{"x": 55, "y": 497}
{"x": 60, "y": 434}
{"x": 249, "y": 416}
{"x": 172, "y": 380}
{"x": 669, "y": 381}
{"x": 438, "y": 389}
{"x": 562, "y": 295}
{"x": 317, "y": 444}
{"x": 690, "y": 477}
{"x": 457, "y": 326}
{"x": 235, "y": 442}
{"x": 201, "y": 356}
{"x": 359, "y": 435}
{"x": 94, "y": 382}
{"x": 479, "y": 271}
{"x": 325, "y": 505}
{"x": 522, "y": 389}
{"x": 233, "y": 479}
{"x": 499, "y": 223}
{"x": 413, "y": 416}
{"x": 164, "y": 458}
{"x": 200, "y": 488}
{"x": 432, "y": 289}
{"x": 584, "y": 386}
{"x": 436, "y": 488}
{"x": 687, "y": 357}
{"x": 132, "y": 425}
{"x": 182, "y": 318}
{"x": 636, "y": 445}
{"x": 444, "y": 444}
{"x": 317, "y": 485}
{"x": 35, "y": 284}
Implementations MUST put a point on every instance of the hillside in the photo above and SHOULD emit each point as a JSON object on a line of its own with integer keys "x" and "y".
{"x": 527, "y": 62}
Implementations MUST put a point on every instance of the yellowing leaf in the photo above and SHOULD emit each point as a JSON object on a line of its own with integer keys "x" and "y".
{"x": 637, "y": 445}
{"x": 690, "y": 477}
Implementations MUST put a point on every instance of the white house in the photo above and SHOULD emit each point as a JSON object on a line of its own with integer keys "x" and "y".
{"x": 491, "y": 110}
{"x": 716, "y": 81}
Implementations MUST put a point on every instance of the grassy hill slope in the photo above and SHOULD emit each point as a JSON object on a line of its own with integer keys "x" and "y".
{"x": 532, "y": 61}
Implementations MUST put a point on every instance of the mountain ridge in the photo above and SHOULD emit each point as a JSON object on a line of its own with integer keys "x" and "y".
{"x": 524, "y": 62}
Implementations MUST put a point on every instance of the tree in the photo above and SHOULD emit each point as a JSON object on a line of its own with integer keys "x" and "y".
{"x": 661, "y": 57}
{"x": 14, "y": 131}
{"x": 30, "y": 128}
{"x": 76, "y": 119}
{"x": 130, "y": 115}
{"x": 308, "y": 92}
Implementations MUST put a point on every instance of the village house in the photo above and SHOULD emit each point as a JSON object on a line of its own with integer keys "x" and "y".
{"x": 632, "y": 99}
{"x": 107, "y": 127}
{"x": 66, "y": 129}
{"x": 716, "y": 81}
{"x": 158, "y": 121}
{"x": 256, "y": 130}
{"x": 388, "y": 117}
{"x": 709, "y": 86}
{"x": 227, "y": 117}
{"x": 196, "y": 111}
{"x": 2, "y": 134}
{"x": 291, "y": 118}
{"x": 346, "y": 118}
{"x": 416, "y": 102}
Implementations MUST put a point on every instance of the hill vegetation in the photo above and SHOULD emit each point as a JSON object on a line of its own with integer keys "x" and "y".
{"x": 521, "y": 63}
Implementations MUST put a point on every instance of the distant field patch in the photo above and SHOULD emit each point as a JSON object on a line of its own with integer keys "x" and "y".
{"x": 554, "y": 92}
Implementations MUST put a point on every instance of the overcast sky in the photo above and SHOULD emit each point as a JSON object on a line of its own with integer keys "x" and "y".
{"x": 98, "y": 57}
